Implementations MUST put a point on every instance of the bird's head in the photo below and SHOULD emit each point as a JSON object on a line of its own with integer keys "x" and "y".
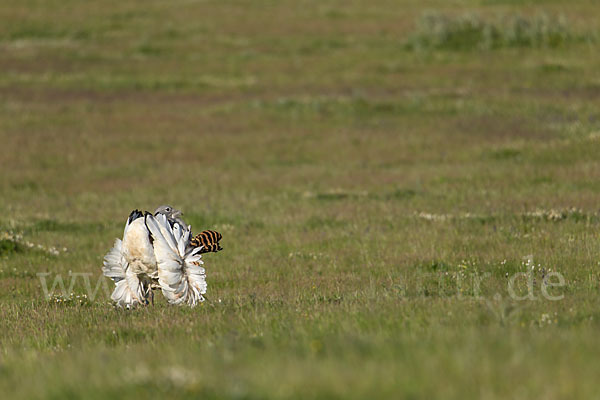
{"x": 168, "y": 211}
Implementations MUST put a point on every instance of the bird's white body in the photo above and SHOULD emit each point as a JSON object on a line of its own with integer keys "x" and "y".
{"x": 137, "y": 249}
{"x": 155, "y": 253}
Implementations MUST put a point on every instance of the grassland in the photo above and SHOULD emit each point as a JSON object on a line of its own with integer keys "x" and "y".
{"x": 366, "y": 167}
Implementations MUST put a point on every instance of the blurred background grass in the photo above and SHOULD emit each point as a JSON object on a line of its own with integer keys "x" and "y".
{"x": 350, "y": 152}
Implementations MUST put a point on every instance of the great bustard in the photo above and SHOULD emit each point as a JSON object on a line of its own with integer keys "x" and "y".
{"x": 156, "y": 252}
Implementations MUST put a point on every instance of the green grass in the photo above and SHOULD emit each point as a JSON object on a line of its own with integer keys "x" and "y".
{"x": 375, "y": 201}
{"x": 471, "y": 31}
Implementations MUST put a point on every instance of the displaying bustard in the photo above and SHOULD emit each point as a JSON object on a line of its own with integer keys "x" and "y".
{"x": 156, "y": 252}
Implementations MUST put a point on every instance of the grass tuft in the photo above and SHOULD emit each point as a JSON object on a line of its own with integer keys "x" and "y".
{"x": 8, "y": 247}
{"x": 402, "y": 194}
{"x": 471, "y": 31}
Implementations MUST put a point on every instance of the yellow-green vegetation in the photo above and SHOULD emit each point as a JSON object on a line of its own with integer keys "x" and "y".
{"x": 381, "y": 171}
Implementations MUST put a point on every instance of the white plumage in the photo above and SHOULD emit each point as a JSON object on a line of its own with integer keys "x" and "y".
{"x": 155, "y": 253}
{"x": 181, "y": 278}
{"x": 128, "y": 264}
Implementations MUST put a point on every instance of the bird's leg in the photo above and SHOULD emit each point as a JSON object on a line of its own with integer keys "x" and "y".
{"x": 152, "y": 297}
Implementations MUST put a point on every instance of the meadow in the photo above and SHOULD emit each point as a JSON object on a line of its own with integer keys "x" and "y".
{"x": 407, "y": 190}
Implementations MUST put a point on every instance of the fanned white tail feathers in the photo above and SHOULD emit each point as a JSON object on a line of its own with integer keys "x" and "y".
{"x": 114, "y": 263}
{"x": 129, "y": 291}
{"x": 181, "y": 278}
